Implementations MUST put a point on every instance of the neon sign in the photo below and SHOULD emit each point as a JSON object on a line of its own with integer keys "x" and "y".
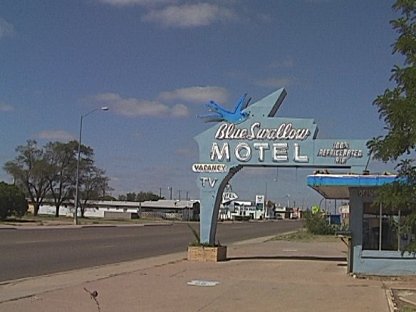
{"x": 251, "y": 135}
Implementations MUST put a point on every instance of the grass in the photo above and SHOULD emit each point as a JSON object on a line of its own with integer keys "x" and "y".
{"x": 303, "y": 235}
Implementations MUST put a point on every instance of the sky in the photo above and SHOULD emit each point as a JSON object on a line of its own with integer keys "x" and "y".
{"x": 156, "y": 63}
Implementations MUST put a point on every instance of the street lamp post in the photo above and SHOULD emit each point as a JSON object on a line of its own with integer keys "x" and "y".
{"x": 104, "y": 108}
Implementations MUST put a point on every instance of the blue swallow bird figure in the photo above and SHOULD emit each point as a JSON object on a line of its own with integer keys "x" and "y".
{"x": 221, "y": 114}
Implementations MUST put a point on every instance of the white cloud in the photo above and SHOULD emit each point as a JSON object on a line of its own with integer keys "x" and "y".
{"x": 196, "y": 94}
{"x": 58, "y": 135}
{"x": 6, "y": 29}
{"x": 122, "y": 3}
{"x": 189, "y": 15}
{"x": 167, "y": 104}
{"x": 6, "y": 107}
{"x": 133, "y": 107}
{"x": 180, "y": 110}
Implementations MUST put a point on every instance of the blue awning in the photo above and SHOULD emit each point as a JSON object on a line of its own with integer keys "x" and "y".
{"x": 336, "y": 186}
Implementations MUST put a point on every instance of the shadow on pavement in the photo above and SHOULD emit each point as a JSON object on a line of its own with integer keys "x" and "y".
{"x": 303, "y": 258}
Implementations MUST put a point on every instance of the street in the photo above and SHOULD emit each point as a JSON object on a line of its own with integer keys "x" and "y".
{"x": 33, "y": 252}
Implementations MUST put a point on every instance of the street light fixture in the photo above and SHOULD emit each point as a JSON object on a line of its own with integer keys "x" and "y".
{"x": 104, "y": 108}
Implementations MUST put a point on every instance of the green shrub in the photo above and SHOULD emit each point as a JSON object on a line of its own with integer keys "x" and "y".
{"x": 318, "y": 225}
{"x": 12, "y": 201}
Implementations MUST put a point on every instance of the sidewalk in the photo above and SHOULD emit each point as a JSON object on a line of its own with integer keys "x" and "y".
{"x": 258, "y": 276}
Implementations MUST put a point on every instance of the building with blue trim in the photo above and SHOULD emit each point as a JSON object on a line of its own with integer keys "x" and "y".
{"x": 375, "y": 234}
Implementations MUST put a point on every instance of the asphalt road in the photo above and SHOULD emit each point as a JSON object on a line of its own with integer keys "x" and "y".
{"x": 33, "y": 252}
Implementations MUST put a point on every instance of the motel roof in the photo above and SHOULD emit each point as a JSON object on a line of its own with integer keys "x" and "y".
{"x": 160, "y": 204}
{"x": 336, "y": 186}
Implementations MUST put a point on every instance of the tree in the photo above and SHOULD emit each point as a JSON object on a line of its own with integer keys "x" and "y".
{"x": 122, "y": 197}
{"x": 108, "y": 197}
{"x": 12, "y": 201}
{"x": 131, "y": 196}
{"x": 397, "y": 108}
{"x": 62, "y": 161}
{"x": 139, "y": 197}
{"x": 29, "y": 171}
{"x": 61, "y": 158}
{"x": 50, "y": 173}
{"x": 93, "y": 185}
{"x": 146, "y": 196}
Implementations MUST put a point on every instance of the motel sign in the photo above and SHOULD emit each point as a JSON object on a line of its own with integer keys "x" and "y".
{"x": 256, "y": 138}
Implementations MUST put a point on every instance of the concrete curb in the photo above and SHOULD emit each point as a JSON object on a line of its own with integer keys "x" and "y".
{"x": 253, "y": 241}
{"x": 63, "y": 226}
{"x": 400, "y": 296}
{"x": 390, "y": 300}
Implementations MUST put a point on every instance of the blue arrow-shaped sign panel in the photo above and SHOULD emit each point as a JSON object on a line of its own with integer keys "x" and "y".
{"x": 252, "y": 135}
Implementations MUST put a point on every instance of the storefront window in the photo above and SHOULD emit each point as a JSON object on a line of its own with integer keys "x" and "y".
{"x": 383, "y": 229}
